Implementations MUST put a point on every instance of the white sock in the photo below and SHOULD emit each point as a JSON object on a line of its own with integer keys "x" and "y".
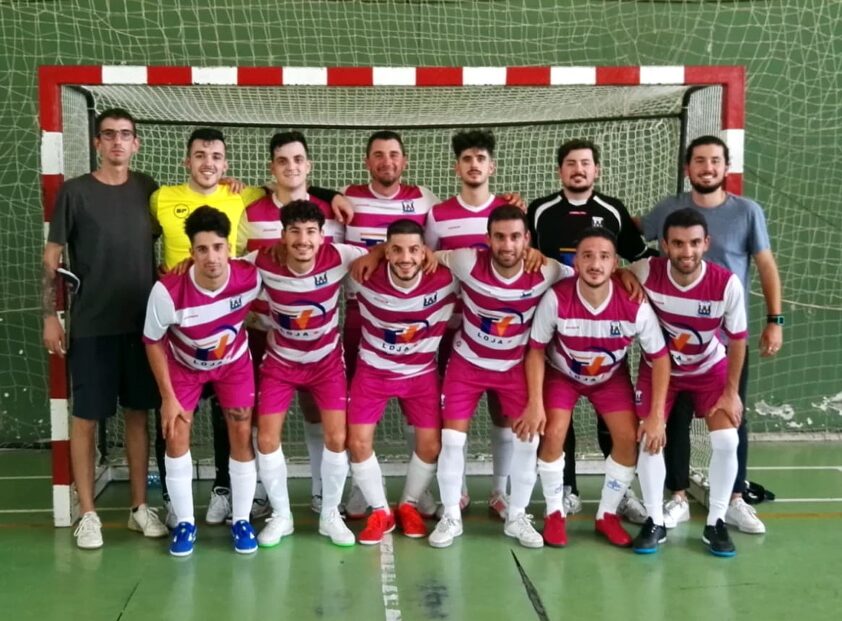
{"x": 243, "y": 483}
{"x": 254, "y": 446}
{"x": 451, "y": 467}
{"x": 419, "y": 474}
{"x": 722, "y": 472}
{"x": 651, "y": 472}
{"x": 501, "y": 456}
{"x": 464, "y": 471}
{"x": 617, "y": 481}
{"x": 180, "y": 486}
{"x": 523, "y": 475}
{"x": 552, "y": 482}
{"x": 273, "y": 468}
{"x": 314, "y": 437}
{"x": 333, "y": 475}
{"x": 369, "y": 478}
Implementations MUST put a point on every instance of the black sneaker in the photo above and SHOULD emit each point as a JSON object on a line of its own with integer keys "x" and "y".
{"x": 718, "y": 540}
{"x": 650, "y": 536}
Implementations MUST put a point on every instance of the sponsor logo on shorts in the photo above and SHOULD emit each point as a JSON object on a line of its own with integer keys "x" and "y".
{"x": 638, "y": 397}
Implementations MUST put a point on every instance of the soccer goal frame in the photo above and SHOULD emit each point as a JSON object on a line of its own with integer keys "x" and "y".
{"x": 52, "y": 79}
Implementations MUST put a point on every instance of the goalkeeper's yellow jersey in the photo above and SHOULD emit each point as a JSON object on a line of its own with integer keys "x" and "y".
{"x": 171, "y": 204}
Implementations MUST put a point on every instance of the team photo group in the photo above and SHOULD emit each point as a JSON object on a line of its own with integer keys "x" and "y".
{"x": 244, "y": 297}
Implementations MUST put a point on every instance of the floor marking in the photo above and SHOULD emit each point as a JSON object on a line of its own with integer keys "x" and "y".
{"x": 389, "y": 579}
{"x": 531, "y": 591}
{"x": 795, "y": 468}
{"x": 26, "y": 478}
{"x": 777, "y": 500}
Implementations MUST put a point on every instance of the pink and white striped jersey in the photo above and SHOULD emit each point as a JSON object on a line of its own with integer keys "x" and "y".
{"x": 589, "y": 344}
{"x": 203, "y": 328}
{"x": 454, "y": 224}
{"x": 692, "y": 316}
{"x": 373, "y": 212}
{"x": 303, "y": 307}
{"x": 402, "y": 328}
{"x": 497, "y": 312}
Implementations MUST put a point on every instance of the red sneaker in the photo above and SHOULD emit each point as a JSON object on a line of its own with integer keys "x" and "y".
{"x": 412, "y": 524}
{"x": 379, "y": 523}
{"x": 613, "y": 530}
{"x": 555, "y": 530}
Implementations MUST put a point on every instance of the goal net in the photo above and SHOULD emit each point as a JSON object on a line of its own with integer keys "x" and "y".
{"x": 641, "y": 130}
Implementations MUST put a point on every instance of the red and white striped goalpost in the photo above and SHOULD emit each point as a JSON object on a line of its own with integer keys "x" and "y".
{"x": 52, "y": 77}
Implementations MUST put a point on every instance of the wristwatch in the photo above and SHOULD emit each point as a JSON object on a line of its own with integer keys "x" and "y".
{"x": 776, "y": 319}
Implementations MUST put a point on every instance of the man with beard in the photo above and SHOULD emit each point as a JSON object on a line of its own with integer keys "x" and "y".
{"x": 738, "y": 233}
{"x": 556, "y": 223}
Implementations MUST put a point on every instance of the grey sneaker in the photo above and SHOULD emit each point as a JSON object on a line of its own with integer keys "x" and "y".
{"x": 219, "y": 507}
{"x": 145, "y": 520}
{"x": 445, "y": 532}
{"x": 632, "y": 509}
{"x": 676, "y": 510}
{"x": 572, "y": 503}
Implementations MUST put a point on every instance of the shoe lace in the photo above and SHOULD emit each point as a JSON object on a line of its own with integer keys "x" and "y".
{"x": 88, "y": 524}
{"x": 744, "y": 507}
{"x": 525, "y": 522}
{"x": 446, "y": 524}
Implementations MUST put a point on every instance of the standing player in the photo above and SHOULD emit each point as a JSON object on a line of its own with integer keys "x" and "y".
{"x": 556, "y": 222}
{"x": 738, "y": 233}
{"x": 499, "y": 299}
{"x": 461, "y": 222}
{"x": 695, "y": 300}
{"x": 303, "y": 352}
{"x": 404, "y": 313}
{"x": 194, "y": 336}
{"x": 103, "y": 221}
{"x": 590, "y": 323}
{"x": 260, "y": 226}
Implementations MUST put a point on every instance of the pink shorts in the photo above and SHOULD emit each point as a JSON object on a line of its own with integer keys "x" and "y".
{"x": 704, "y": 389}
{"x": 465, "y": 383}
{"x": 613, "y": 395}
{"x": 325, "y": 380}
{"x": 352, "y": 332}
{"x": 371, "y": 389}
{"x": 233, "y": 383}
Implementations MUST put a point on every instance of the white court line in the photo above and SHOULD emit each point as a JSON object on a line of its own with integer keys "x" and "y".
{"x": 777, "y": 500}
{"x": 25, "y": 478}
{"x": 389, "y": 579}
{"x": 795, "y": 468}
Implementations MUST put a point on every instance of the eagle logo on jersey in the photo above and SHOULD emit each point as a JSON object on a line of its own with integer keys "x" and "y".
{"x": 405, "y": 334}
{"x": 299, "y": 316}
{"x": 593, "y": 366}
{"x": 213, "y": 347}
{"x": 499, "y": 326}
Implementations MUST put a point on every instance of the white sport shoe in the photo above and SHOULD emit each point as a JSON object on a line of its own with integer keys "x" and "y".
{"x": 446, "y": 530}
{"x": 521, "y": 528}
{"x": 145, "y": 520}
{"x": 172, "y": 521}
{"x": 572, "y": 503}
{"x": 427, "y": 505}
{"x": 744, "y": 517}
{"x": 498, "y": 505}
{"x": 632, "y": 509}
{"x": 276, "y": 528}
{"x": 332, "y": 525}
{"x": 676, "y": 510}
{"x": 89, "y": 532}
{"x": 357, "y": 506}
{"x": 219, "y": 506}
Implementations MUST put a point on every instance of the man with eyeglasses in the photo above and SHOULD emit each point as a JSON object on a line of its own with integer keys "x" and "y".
{"x": 103, "y": 221}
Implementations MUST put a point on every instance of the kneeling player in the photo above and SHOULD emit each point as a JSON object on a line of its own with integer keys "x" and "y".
{"x": 590, "y": 322}
{"x": 303, "y": 352}
{"x": 404, "y": 314}
{"x": 201, "y": 314}
{"x": 694, "y": 299}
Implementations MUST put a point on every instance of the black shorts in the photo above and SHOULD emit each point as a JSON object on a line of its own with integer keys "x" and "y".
{"x": 105, "y": 369}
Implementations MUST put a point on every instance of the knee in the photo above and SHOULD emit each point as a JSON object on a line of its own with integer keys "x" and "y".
{"x": 724, "y": 440}
{"x": 359, "y": 447}
{"x": 429, "y": 450}
{"x": 335, "y": 440}
{"x": 267, "y": 441}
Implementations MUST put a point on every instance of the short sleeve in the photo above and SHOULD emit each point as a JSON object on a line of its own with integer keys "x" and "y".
{"x": 735, "y": 323}
{"x": 61, "y": 224}
{"x": 544, "y": 320}
{"x": 649, "y": 332}
{"x": 160, "y": 314}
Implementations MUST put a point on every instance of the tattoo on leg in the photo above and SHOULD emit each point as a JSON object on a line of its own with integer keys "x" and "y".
{"x": 237, "y": 415}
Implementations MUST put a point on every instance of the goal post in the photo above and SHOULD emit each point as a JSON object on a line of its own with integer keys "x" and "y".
{"x": 642, "y": 117}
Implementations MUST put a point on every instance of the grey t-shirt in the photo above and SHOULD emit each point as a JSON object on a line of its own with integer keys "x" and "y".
{"x": 737, "y": 230}
{"x": 108, "y": 232}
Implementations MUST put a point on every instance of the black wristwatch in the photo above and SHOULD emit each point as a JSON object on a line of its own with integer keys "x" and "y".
{"x": 776, "y": 319}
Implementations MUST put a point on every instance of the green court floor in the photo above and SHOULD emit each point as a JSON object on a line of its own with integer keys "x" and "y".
{"x": 792, "y": 572}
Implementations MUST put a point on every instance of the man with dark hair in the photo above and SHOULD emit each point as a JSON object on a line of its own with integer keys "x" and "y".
{"x": 101, "y": 220}
{"x": 194, "y": 337}
{"x": 738, "y": 234}
{"x": 556, "y": 222}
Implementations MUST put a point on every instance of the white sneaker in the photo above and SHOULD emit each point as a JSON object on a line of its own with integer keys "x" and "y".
{"x": 632, "y": 509}
{"x": 572, "y": 503}
{"x": 498, "y": 505}
{"x": 276, "y": 528}
{"x": 89, "y": 532}
{"x": 145, "y": 520}
{"x": 676, "y": 510}
{"x": 444, "y": 533}
{"x": 219, "y": 506}
{"x": 427, "y": 505}
{"x": 744, "y": 517}
{"x": 521, "y": 528}
{"x": 332, "y": 525}
{"x": 171, "y": 521}
{"x": 357, "y": 506}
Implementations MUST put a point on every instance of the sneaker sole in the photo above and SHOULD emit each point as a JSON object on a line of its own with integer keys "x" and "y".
{"x": 719, "y": 553}
{"x": 248, "y": 551}
{"x": 135, "y": 528}
{"x": 93, "y": 547}
{"x": 372, "y": 542}
{"x": 747, "y": 531}
{"x": 554, "y": 545}
{"x": 415, "y": 535}
{"x": 340, "y": 544}
{"x": 181, "y": 554}
{"x": 526, "y": 544}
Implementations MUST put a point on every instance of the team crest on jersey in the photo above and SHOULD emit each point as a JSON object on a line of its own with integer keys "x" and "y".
{"x": 320, "y": 280}
{"x": 406, "y": 334}
{"x": 181, "y": 211}
{"x": 429, "y": 300}
{"x": 213, "y": 348}
{"x": 704, "y": 309}
{"x": 236, "y": 303}
{"x": 300, "y": 317}
{"x": 615, "y": 329}
{"x": 597, "y": 221}
{"x": 408, "y": 206}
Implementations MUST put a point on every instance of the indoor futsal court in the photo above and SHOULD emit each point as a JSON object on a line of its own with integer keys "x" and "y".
{"x": 642, "y": 80}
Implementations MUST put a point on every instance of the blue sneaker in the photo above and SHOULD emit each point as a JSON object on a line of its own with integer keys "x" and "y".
{"x": 182, "y": 539}
{"x": 245, "y": 541}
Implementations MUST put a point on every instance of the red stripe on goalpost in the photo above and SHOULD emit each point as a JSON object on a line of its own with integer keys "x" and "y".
{"x": 260, "y": 76}
{"x": 169, "y": 76}
{"x": 62, "y": 474}
{"x": 438, "y": 76}
{"x": 527, "y": 76}
{"x": 50, "y": 185}
{"x": 733, "y": 81}
{"x": 618, "y": 76}
{"x": 50, "y": 79}
{"x": 350, "y": 76}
